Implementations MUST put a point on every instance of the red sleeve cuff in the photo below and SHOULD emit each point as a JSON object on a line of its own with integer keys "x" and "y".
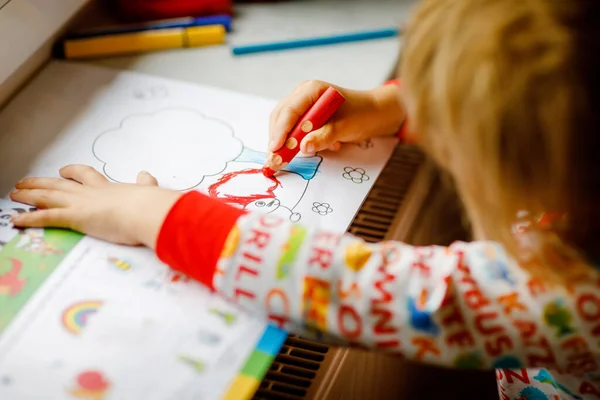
{"x": 401, "y": 135}
{"x": 193, "y": 234}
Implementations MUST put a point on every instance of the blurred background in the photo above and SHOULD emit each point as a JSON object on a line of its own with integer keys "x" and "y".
{"x": 273, "y": 74}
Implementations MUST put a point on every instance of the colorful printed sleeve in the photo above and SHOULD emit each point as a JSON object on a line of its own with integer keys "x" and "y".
{"x": 466, "y": 305}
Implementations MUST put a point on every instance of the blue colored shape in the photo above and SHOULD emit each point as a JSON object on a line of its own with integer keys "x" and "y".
{"x": 508, "y": 362}
{"x": 421, "y": 320}
{"x": 313, "y": 42}
{"x": 271, "y": 340}
{"x": 306, "y": 167}
{"x": 249, "y": 155}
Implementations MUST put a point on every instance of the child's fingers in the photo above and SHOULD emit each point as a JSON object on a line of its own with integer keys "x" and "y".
{"x": 55, "y": 217}
{"x": 281, "y": 126}
{"x": 41, "y": 198}
{"x": 83, "y": 174}
{"x": 287, "y": 113}
{"x": 47, "y": 183}
{"x": 144, "y": 178}
{"x": 318, "y": 140}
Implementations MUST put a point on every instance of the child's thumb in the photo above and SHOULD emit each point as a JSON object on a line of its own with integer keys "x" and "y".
{"x": 318, "y": 140}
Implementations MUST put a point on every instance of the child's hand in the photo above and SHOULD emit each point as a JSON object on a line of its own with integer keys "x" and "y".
{"x": 364, "y": 114}
{"x": 87, "y": 202}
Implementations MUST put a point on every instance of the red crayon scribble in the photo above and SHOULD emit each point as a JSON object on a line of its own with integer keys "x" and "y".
{"x": 179, "y": 277}
{"x": 9, "y": 282}
{"x": 213, "y": 190}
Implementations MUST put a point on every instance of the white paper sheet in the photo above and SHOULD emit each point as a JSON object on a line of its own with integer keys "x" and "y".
{"x": 188, "y": 136}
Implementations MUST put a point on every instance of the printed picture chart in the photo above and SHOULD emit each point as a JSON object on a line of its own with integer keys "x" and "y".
{"x": 84, "y": 319}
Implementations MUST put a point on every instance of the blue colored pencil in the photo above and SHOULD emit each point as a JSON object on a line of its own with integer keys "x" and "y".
{"x": 318, "y": 41}
{"x": 187, "y": 22}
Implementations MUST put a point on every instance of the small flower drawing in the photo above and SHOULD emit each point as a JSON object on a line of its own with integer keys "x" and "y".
{"x": 356, "y": 175}
{"x": 322, "y": 208}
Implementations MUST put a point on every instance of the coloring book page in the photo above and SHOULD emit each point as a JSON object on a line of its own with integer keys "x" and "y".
{"x": 189, "y": 137}
{"x": 84, "y": 319}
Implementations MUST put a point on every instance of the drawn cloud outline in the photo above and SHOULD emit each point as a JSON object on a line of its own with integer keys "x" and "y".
{"x": 124, "y": 121}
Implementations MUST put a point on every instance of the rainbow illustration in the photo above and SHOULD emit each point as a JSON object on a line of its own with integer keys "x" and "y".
{"x": 76, "y": 317}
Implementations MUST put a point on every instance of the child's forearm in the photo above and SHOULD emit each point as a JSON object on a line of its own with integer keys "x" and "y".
{"x": 463, "y": 306}
{"x": 193, "y": 234}
{"x": 147, "y": 216}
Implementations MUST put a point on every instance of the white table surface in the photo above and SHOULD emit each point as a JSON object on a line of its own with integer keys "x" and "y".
{"x": 273, "y": 75}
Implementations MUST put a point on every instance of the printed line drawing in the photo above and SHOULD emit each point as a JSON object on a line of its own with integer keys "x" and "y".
{"x": 322, "y": 208}
{"x": 10, "y": 283}
{"x": 90, "y": 385}
{"x": 166, "y": 279}
{"x": 7, "y": 230}
{"x": 209, "y": 338}
{"x": 228, "y": 356}
{"x": 32, "y": 241}
{"x": 119, "y": 264}
{"x": 205, "y": 147}
{"x": 228, "y": 317}
{"x": 356, "y": 175}
{"x": 151, "y": 93}
{"x": 76, "y": 317}
{"x": 11, "y": 343}
{"x": 196, "y": 364}
{"x": 365, "y": 144}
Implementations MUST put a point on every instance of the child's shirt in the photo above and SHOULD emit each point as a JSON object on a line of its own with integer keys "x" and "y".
{"x": 463, "y": 306}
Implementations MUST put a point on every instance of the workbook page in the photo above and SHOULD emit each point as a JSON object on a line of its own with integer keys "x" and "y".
{"x": 81, "y": 318}
{"x": 189, "y": 137}
{"x": 85, "y": 319}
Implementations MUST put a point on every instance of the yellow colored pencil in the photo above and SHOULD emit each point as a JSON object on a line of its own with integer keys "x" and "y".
{"x": 142, "y": 42}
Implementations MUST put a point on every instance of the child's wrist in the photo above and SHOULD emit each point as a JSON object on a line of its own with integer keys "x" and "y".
{"x": 391, "y": 111}
{"x": 148, "y": 214}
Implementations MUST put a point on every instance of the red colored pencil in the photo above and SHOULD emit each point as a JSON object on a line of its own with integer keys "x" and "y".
{"x": 313, "y": 119}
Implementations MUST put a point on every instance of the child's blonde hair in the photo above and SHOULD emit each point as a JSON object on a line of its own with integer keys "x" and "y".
{"x": 504, "y": 95}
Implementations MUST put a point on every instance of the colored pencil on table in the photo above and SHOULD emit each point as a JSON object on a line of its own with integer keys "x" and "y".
{"x": 188, "y": 22}
{"x": 317, "y": 41}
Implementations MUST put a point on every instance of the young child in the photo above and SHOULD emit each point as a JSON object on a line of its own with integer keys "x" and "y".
{"x": 505, "y": 96}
